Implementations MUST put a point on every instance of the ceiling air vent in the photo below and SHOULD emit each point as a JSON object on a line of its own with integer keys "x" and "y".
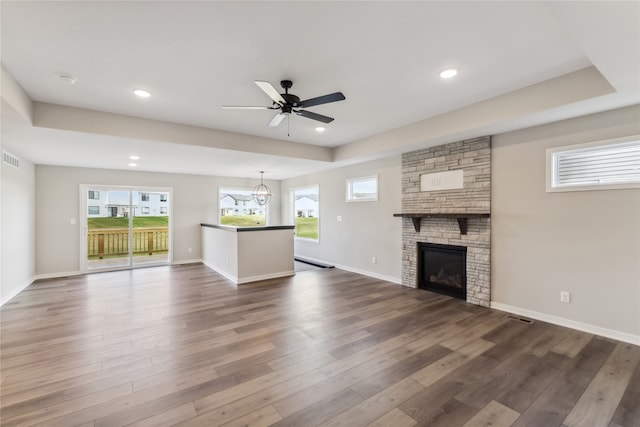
{"x": 10, "y": 159}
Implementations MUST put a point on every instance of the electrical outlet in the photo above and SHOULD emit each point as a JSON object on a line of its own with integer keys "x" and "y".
{"x": 339, "y": 218}
{"x": 72, "y": 221}
{"x": 189, "y": 250}
{"x": 565, "y": 297}
{"x": 374, "y": 260}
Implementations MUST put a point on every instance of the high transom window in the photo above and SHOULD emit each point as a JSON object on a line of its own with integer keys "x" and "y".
{"x": 595, "y": 166}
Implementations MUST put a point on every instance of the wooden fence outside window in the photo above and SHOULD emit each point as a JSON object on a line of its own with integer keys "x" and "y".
{"x": 113, "y": 242}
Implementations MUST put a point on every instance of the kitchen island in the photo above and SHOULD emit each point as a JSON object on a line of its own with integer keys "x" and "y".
{"x": 248, "y": 254}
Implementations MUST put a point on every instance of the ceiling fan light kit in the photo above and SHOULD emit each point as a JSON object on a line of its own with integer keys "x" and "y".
{"x": 289, "y": 103}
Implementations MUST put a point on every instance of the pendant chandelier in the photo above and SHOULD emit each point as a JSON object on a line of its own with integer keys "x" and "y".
{"x": 261, "y": 194}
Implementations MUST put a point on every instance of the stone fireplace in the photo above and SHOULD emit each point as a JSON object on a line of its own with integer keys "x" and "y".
{"x": 452, "y": 217}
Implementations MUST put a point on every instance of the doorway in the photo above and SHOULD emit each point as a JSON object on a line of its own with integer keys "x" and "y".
{"x": 125, "y": 227}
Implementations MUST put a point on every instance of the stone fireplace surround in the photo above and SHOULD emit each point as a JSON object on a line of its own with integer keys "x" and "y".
{"x": 474, "y": 158}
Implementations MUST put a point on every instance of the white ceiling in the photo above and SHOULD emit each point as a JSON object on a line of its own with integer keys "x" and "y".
{"x": 384, "y": 56}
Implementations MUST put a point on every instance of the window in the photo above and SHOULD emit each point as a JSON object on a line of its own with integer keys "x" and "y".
{"x": 163, "y": 211}
{"x": 363, "y": 189}
{"x": 163, "y": 198}
{"x": 306, "y": 212}
{"x": 145, "y": 210}
{"x": 94, "y": 210}
{"x": 238, "y": 207}
{"x": 94, "y": 195}
{"x": 595, "y": 166}
{"x": 144, "y": 197}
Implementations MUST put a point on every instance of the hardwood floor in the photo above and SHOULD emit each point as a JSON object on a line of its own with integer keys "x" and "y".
{"x": 183, "y": 346}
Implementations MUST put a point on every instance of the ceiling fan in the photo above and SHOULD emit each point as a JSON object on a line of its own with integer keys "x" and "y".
{"x": 289, "y": 103}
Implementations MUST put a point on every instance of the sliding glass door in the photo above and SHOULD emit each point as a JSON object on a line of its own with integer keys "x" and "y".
{"x": 125, "y": 227}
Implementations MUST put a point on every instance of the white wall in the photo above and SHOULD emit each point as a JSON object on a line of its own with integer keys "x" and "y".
{"x": 367, "y": 229}
{"x": 586, "y": 242}
{"x": 195, "y": 201}
{"x": 18, "y": 228}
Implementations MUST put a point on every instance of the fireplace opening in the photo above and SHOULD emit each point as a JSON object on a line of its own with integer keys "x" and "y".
{"x": 443, "y": 269}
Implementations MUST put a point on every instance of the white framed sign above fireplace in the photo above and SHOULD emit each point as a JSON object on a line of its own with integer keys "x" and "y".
{"x": 450, "y": 180}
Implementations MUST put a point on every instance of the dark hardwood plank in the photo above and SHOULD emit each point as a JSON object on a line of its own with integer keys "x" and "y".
{"x": 182, "y": 345}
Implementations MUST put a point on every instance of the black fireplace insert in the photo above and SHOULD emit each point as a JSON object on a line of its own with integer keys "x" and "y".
{"x": 443, "y": 269}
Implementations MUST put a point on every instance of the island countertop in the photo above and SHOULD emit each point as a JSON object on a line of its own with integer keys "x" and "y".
{"x": 257, "y": 228}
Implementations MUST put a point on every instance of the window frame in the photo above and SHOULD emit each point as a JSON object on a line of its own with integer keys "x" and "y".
{"x": 551, "y": 167}
{"x": 349, "y": 189}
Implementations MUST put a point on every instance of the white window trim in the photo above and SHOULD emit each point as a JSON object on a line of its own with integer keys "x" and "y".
{"x": 349, "y": 190}
{"x": 82, "y": 225}
{"x": 551, "y": 167}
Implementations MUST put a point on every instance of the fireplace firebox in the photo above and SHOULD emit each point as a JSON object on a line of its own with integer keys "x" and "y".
{"x": 443, "y": 269}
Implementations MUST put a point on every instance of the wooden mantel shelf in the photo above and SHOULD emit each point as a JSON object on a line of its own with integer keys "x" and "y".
{"x": 461, "y": 217}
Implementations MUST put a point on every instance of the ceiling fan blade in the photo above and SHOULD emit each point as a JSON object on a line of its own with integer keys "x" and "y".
{"x": 314, "y": 116}
{"x": 325, "y": 99}
{"x": 270, "y": 91}
{"x": 276, "y": 120}
{"x": 240, "y": 107}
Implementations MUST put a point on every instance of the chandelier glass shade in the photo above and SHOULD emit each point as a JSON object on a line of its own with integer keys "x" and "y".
{"x": 261, "y": 193}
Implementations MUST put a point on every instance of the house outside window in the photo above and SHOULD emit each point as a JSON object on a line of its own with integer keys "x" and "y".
{"x": 238, "y": 207}
{"x": 94, "y": 210}
{"x": 306, "y": 204}
{"x": 94, "y": 195}
{"x": 145, "y": 210}
{"x": 163, "y": 211}
{"x": 163, "y": 198}
{"x": 144, "y": 197}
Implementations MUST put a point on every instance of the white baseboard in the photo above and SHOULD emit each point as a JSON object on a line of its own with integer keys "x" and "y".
{"x": 220, "y": 271}
{"x": 238, "y": 281}
{"x": 187, "y": 261}
{"x": 6, "y": 298}
{"x": 265, "y": 277}
{"x": 57, "y": 275}
{"x": 395, "y": 280}
{"x": 561, "y": 321}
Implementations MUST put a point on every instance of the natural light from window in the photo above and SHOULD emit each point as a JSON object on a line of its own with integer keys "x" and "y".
{"x": 364, "y": 189}
{"x": 594, "y": 166}
{"x": 238, "y": 207}
{"x": 306, "y": 212}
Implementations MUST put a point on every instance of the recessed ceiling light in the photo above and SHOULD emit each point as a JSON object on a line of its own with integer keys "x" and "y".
{"x": 134, "y": 157}
{"x": 68, "y": 79}
{"x": 320, "y": 129}
{"x": 142, "y": 93}
{"x": 133, "y": 164}
{"x": 448, "y": 73}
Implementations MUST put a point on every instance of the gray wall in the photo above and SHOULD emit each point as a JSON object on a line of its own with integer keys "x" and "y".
{"x": 367, "y": 229}
{"x": 18, "y": 228}
{"x": 585, "y": 242}
{"x": 195, "y": 200}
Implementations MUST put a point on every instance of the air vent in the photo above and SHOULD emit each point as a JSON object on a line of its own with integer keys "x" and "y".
{"x": 520, "y": 319}
{"x": 10, "y": 159}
